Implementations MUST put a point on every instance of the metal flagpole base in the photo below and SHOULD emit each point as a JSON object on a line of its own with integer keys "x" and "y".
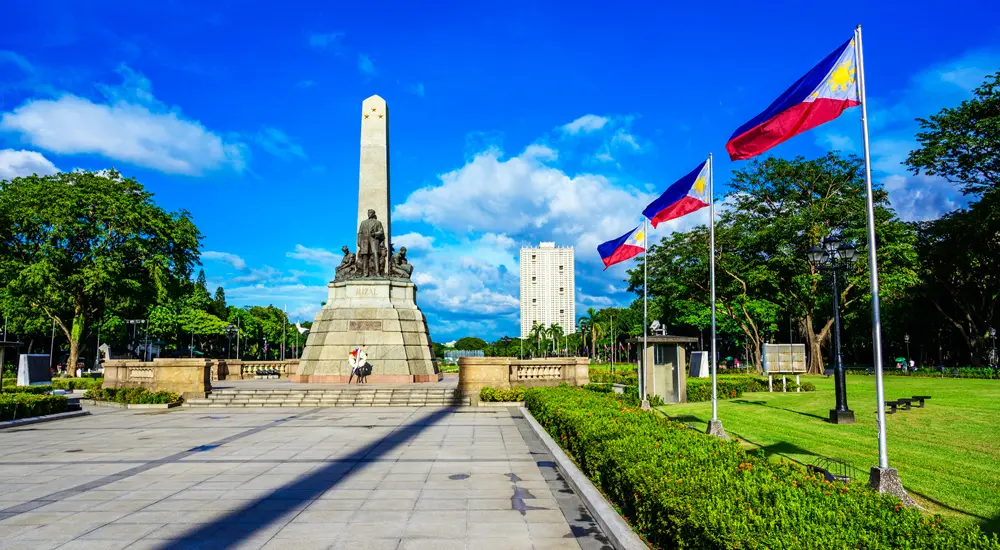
{"x": 886, "y": 480}
{"x": 645, "y": 405}
{"x": 715, "y": 428}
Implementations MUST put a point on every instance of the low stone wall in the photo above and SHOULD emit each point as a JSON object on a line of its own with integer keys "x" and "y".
{"x": 188, "y": 377}
{"x": 235, "y": 369}
{"x": 475, "y": 373}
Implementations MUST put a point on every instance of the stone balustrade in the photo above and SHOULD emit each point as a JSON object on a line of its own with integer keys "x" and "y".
{"x": 475, "y": 373}
{"x": 188, "y": 377}
{"x": 235, "y": 369}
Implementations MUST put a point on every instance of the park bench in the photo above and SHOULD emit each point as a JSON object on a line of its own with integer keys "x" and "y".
{"x": 892, "y": 406}
{"x": 904, "y": 402}
{"x": 921, "y": 399}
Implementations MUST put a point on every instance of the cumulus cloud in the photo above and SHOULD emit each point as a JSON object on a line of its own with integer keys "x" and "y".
{"x": 413, "y": 241}
{"x": 237, "y": 262}
{"x": 133, "y": 126}
{"x": 15, "y": 164}
{"x": 315, "y": 256}
{"x": 585, "y": 124}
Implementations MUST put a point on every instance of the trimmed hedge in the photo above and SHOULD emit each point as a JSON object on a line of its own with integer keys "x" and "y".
{"x": 494, "y": 395}
{"x": 730, "y": 387}
{"x": 70, "y": 384}
{"x": 628, "y": 378}
{"x": 981, "y": 373}
{"x": 132, "y": 396}
{"x": 680, "y": 488}
{"x": 25, "y": 405}
{"x": 34, "y": 390}
{"x": 629, "y": 395}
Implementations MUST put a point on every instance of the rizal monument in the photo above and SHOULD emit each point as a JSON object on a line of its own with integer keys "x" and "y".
{"x": 372, "y": 302}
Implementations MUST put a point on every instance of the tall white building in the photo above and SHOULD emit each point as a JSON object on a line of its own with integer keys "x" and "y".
{"x": 548, "y": 284}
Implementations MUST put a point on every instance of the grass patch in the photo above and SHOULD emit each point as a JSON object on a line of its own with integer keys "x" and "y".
{"x": 947, "y": 454}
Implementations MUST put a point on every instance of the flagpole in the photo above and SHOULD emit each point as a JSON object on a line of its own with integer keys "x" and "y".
{"x": 645, "y": 324}
{"x": 715, "y": 425}
{"x": 883, "y": 478}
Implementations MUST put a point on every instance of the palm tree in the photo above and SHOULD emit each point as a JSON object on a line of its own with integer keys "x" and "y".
{"x": 555, "y": 332}
{"x": 537, "y": 331}
{"x": 590, "y": 324}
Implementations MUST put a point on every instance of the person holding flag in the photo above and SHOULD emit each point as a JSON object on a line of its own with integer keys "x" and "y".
{"x": 836, "y": 84}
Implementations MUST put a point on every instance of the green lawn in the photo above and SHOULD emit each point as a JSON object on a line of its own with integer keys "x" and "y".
{"x": 947, "y": 454}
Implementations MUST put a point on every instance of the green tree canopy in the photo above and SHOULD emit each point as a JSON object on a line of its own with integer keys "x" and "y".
{"x": 72, "y": 242}
{"x": 470, "y": 343}
{"x": 962, "y": 144}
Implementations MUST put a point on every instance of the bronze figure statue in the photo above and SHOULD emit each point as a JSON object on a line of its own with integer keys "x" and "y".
{"x": 347, "y": 268}
{"x": 370, "y": 238}
{"x": 400, "y": 267}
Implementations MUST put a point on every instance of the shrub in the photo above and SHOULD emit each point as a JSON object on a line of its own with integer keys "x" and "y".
{"x": 494, "y": 395}
{"x": 25, "y": 405}
{"x": 680, "y": 488}
{"x": 629, "y": 395}
{"x": 34, "y": 390}
{"x": 132, "y": 396}
{"x": 730, "y": 387}
{"x": 70, "y": 384}
{"x": 628, "y": 378}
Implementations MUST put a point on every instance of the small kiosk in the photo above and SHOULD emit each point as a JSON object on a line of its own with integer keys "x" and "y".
{"x": 667, "y": 375}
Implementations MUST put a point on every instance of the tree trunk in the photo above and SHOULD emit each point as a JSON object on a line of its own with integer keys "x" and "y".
{"x": 76, "y": 332}
{"x": 757, "y": 362}
{"x": 814, "y": 343}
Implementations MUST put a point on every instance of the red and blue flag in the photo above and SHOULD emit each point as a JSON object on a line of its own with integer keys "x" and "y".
{"x": 688, "y": 194}
{"x": 623, "y": 248}
{"x": 818, "y": 97}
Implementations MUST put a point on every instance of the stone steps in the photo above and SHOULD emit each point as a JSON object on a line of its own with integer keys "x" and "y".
{"x": 353, "y": 397}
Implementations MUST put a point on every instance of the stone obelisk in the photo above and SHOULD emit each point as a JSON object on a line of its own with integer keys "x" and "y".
{"x": 373, "y": 176}
{"x": 378, "y": 313}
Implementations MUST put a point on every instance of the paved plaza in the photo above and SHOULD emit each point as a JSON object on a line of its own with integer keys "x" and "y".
{"x": 297, "y": 478}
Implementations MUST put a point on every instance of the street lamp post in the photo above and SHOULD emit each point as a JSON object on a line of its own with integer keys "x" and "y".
{"x": 230, "y": 330}
{"x": 993, "y": 335}
{"x": 906, "y": 338}
{"x": 831, "y": 256}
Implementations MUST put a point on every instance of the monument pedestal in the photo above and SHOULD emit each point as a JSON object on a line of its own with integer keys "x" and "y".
{"x": 380, "y": 314}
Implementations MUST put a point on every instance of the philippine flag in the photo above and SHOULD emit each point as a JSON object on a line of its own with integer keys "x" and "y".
{"x": 819, "y": 96}
{"x": 683, "y": 197}
{"x": 622, "y": 248}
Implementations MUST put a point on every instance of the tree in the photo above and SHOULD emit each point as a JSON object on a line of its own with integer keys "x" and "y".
{"x": 555, "y": 332}
{"x": 219, "y": 307}
{"x": 589, "y": 324}
{"x": 470, "y": 343}
{"x": 72, "y": 242}
{"x": 537, "y": 332}
{"x": 961, "y": 267}
{"x": 962, "y": 144}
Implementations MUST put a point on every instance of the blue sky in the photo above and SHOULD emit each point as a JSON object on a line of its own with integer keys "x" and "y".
{"x": 510, "y": 123}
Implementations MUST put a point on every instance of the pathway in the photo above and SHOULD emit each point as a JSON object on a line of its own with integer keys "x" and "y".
{"x": 292, "y": 478}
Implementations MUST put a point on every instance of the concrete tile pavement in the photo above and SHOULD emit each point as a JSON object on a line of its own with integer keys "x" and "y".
{"x": 286, "y": 478}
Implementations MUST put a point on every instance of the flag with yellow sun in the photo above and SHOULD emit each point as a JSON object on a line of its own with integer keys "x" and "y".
{"x": 686, "y": 195}
{"x": 818, "y": 97}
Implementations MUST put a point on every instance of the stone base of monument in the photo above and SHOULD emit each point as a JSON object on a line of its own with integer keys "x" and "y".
{"x": 380, "y": 314}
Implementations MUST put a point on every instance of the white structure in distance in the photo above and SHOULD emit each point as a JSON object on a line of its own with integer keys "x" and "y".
{"x": 548, "y": 288}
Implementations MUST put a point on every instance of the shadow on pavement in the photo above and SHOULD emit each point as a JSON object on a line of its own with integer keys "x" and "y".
{"x": 244, "y": 523}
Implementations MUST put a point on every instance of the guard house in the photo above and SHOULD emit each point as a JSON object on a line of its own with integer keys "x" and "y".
{"x": 667, "y": 375}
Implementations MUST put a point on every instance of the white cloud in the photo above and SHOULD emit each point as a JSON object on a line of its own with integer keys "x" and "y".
{"x": 525, "y": 199}
{"x": 922, "y": 198}
{"x": 132, "y": 127}
{"x": 323, "y": 41}
{"x": 24, "y": 163}
{"x": 366, "y": 65}
{"x": 315, "y": 256}
{"x": 19, "y": 61}
{"x": 237, "y": 262}
{"x": 417, "y": 89}
{"x": 585, "y": 124}
{"x": 836, "y": 142}
{"x": 413, "y": 241}
{"x": 540, "y": 152}
{"x": 278, "y": 143}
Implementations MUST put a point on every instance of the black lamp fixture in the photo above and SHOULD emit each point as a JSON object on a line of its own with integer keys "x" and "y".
{"x": 832, "y": 255}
